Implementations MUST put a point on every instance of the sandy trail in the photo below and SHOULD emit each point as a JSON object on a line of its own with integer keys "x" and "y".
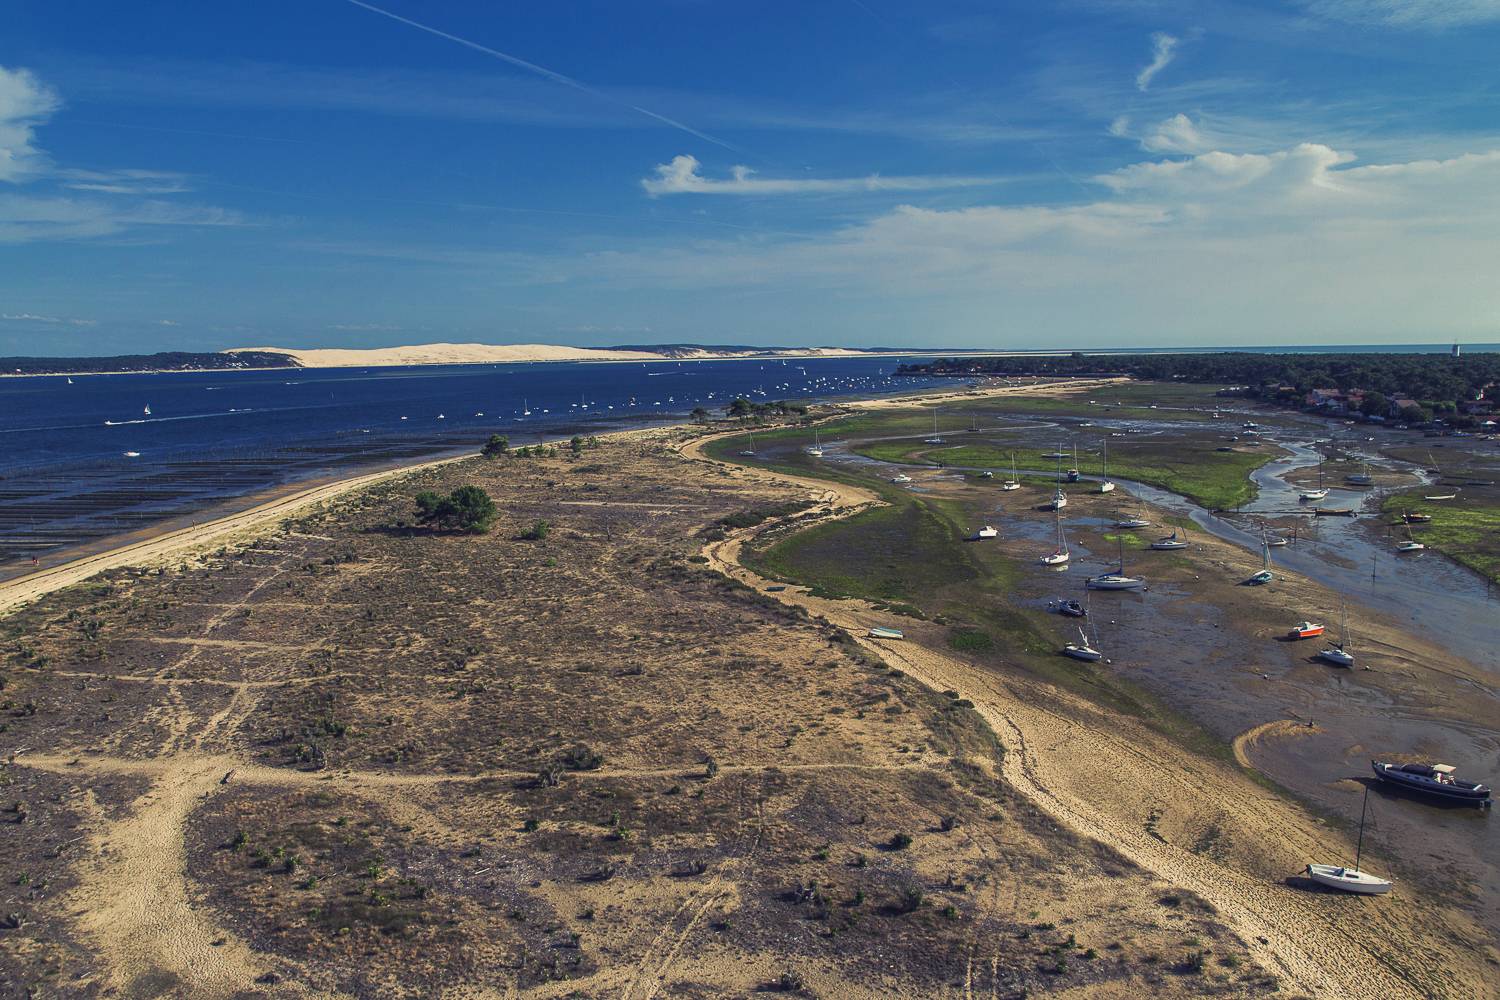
{"x": 1111, "y": 779}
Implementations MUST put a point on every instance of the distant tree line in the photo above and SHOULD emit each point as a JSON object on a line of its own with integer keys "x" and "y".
{"x": 743, "y": 407}
{"x": 1438, "y": 381}
{"x": 166, "y": 361}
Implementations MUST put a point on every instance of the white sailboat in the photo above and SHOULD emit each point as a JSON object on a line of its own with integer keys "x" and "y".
{"x": 1351, "y": 879}
{"x": 1132, "y": 522}
{"x": 935, "y": 439}
{"x": 1059, "y": 500}
{"x": 816, "y": 451}
{"x": 1340, "y": 655}
{"x": 1265, "y": 575}
{"x": 1014, "y": 482}
{"x": 1171, "y": 542}
{"x": 1082, "y": 650}
{"x": 148, "y": 409}
{"x": 1105, "y": 486}
{"x": 750, "y": 451}
{"x": 1410, "y": 545}
{"x": 1073, "y": 474}
{"x": 1060, "y": 555}
{"x": 1117, "y": 580}
{"x": 1362, "y": 477}
{"x": 1318, "y": 493}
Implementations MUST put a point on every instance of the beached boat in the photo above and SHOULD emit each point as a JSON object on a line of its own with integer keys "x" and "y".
{"x": 1340, "y": 654}
{"x": 1275, "y": 541}
{"x": 1442, "y": 496}
{"x": 1306, "y": 630}
{"x": 1265, "y": 575}
{"x": 1362, "y": 477}
{"x": 1073, "y": 474}
{"x": 750, "y": 451}
{"x": 1413, "y": 518}
{"x": 1081, "y": 650}
{"x": 1105, "y": 486}
{"x": 986, "y": 474}
{"x": 880, "y": 632}
{"x": 1332, "y": 512}
{"x": 935, "y": 439}
{"x": 1436, "y": 780}
{"x": 1410, "y": 545}
{"x": 1351, "y": 879}
{"x": 1132, "y": 522}
{"x": 1059, "y": 555}
{"x": 1116, "y": 580}
{"x": 1170, "y": 542}
{"x": 1315, "y": 494}
{"x": 816, "y": 451}
{"x": 1059, "y": 500}
{"x": 1014, "y": 482}
{"x": 1071, "y": 608}
{"x": 901, "y": 477}
{"x": 986, "y": 532}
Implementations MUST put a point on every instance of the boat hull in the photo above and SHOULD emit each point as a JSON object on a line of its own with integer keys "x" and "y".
{"x": 1337, "y": 657}
{"x": 1115, "y": 583}
{"x": 1348, "y": 880}
{"x": 1082, "y": 653}
{"x": 1476, "y": 795}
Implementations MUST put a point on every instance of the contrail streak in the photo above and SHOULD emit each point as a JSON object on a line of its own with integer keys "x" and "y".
{"x": 545, "y": 73}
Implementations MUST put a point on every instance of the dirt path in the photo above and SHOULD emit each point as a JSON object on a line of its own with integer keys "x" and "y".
{"x": 1111, "y": 779}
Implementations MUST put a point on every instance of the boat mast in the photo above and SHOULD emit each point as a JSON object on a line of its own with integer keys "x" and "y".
{"x": 1360, "y": 846}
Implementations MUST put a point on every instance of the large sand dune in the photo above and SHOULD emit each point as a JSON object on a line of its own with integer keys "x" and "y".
{"x": 470, "y": 354}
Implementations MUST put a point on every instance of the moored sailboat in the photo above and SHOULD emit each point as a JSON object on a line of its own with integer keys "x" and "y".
{"x": 1339, "y": 655}
{"x": 1351, "y": 879}
{"x": 1014, "y": 482}
{"x": 1105, "y": 486}
{"x": 1117, "y": 580}
{"x": 1059, "y": 555}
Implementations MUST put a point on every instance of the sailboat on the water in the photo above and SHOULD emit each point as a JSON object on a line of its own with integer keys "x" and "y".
{"x": 147, "y": 411}
{"x": 1351, "y": 879}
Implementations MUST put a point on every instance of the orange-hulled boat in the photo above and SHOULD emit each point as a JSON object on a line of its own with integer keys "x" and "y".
{"x": 1305, "y": 630}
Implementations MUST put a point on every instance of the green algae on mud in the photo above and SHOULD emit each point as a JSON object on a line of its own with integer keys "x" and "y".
{"x": 1466, "y": 529}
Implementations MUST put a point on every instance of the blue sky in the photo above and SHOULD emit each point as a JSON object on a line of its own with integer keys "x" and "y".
{"x": 1083, "y": 173}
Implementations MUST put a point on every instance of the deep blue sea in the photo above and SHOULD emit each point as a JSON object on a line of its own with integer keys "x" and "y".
{"x": 68, "y": 475}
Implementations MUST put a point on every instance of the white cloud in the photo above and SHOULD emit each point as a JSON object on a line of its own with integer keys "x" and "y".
{"x": 1177, "y": 134}
{"x": 28, "y": 218}
{"x": 24, "y": 103}
{"x": 48, "y": 320}
{"x": 1120, "y": 127}
{"x": 1408, "y": 13}
{"x": 681, "y": 176}
{"x": 1218, "y": 246}
{"x": 1163, "y": 50}
{"x": 123, "y": 181}
{"x": 166, "y": 322}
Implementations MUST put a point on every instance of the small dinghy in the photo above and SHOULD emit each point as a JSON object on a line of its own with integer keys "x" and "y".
{"x": 1071, "y": 608}
{"x": 1351, "y": 879}
{"x": 1410, "y": 545}
{"x": 1332, "y": 512}
{"x": 880, "y": 632}
{"x": 1411, "y": 518}
{"x": 1443, "y": 496}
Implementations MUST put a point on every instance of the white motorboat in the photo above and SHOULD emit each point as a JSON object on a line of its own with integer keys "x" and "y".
{"x": 1410, "y": 545}
{"x": 1117, "y": 580}
{"x": 901, "y": 477}
{"x": 1351, "y": 879}
{"x": 986, "y": 532}
{"x": 1132, "y": 522}
{"x": 1275, "y": 541}
{"x": 1170, "y": 542}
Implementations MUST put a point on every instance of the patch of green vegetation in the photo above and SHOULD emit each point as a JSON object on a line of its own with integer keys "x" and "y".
{"x": 903, "y": 552}
{"x": 970, "y": 640}
{"x": 1466, "y": 530}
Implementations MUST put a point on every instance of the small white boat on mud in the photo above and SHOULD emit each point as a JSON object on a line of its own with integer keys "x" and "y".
{"x": 901, "y": 477}
{"x": 1117, "y": 580}
{"x": 1351, "y": 879}
{"x": 1082, "y": 650}
{"x": 987, "y": 531}
{"x": 1059, "y": 500}
{"x": 1132, "y": 522}
{"x": 1264, "y": 575}
{"x": 880, "y": 632}
{"x": 1170, "y": 542}
{"x": 1060, "y": 555}
{"x": 1105, "y": 486}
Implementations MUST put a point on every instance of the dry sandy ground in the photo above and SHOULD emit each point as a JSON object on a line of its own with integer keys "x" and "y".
{"x": 1112, "y": 780}
{"x": 474, "y": 354}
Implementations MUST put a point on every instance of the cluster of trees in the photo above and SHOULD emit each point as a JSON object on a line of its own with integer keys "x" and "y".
{"x": 164, "y": 361}
{"x": 743, "y": 407}
{"x": 498, "y": 446}
{"x": 1439, "y": 381}
{"x": 467, "y": 508}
